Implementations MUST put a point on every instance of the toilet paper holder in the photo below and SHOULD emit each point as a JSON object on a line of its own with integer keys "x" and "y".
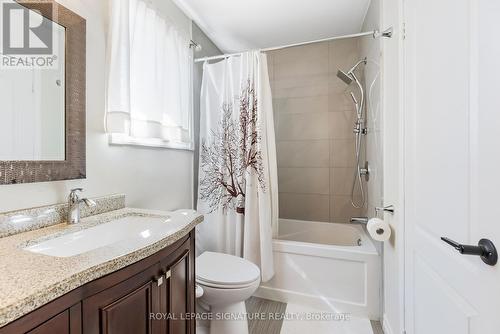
{"x": 390, "y": 209}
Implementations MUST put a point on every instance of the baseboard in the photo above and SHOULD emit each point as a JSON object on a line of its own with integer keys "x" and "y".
{"x": 386, "y": 326}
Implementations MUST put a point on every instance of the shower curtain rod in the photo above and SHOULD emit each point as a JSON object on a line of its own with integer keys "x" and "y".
{"x": 374, "y": 33}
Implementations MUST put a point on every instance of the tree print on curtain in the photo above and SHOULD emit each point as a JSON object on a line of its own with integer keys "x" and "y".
{"x": 233, "y": 151}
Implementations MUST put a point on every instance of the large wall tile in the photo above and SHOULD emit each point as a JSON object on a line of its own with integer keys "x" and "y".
{"x": 299, "y": 105}
{"x": 343, "y": 54}
{"x": 343, "y": 153}
{"x": 338, "y": 87}
{"x": 341, "y": 209}
{"x": 270, "y": 66}
{"x": 304, "y": 207}
{"x": 300, "y": 81}
{"x": 304, "y": 180}
{"x": 301, "y": 61}
{"x": 310, "y": 51}
{"x": 342, "y": 124}
{"x": 303, "y": 126}
{"x": 313, "y": 90}
{"x": 314, "y": 118}
{"x": 341, "y": 101}
{"x": 341, "y": 180}
{"x": 314, "y": 153}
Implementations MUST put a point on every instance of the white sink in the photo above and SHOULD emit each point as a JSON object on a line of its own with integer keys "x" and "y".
{"x": 120, "y": 229}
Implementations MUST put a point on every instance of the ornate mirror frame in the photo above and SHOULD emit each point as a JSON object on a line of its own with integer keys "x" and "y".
{"x": 74, "y": 165}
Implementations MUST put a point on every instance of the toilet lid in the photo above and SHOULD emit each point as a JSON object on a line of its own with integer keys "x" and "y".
{"x": 223, "y": 269}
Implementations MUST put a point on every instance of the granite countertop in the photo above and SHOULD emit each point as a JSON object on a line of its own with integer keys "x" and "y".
{"x": 29, "y": 280}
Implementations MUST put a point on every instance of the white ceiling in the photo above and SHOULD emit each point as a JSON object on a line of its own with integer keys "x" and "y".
{"x": 238, "y": 25}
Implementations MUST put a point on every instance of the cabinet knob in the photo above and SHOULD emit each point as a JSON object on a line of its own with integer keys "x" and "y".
{"x": 159, "y": 281}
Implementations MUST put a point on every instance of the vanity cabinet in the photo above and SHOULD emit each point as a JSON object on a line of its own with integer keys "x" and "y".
{"x": 153, "y": 296}
{"x": 177, "y": 295}
{"x": 58, "y": 324}
{"x": 65, "y": 322}
{"x": 123, "y": 308}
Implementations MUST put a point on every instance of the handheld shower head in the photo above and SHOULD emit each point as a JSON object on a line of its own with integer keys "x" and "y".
{"x": 354, "y": 100}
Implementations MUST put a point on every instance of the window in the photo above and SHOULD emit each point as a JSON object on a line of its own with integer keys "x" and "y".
{"x": 149, "y": 89}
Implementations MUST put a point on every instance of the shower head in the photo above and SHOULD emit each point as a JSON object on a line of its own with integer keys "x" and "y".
{"x": 348, "y": 77}
{"x": 345, "y": 77}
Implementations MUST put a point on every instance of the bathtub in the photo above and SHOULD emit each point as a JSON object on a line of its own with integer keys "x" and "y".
{"x": 331, "y": 267}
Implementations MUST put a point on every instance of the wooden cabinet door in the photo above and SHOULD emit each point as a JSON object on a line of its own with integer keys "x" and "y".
{"x": 50, "y": 319}
{"x": 177, "y": 296}
{"x": 124, "y": 308}
{"x": 59, "y": 324}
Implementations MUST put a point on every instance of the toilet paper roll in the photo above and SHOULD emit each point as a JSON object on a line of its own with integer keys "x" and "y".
{"x": 199, "y": 291}
{"x": 378, "y": 229}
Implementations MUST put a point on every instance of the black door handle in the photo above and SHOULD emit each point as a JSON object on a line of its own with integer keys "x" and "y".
{"x": 485, "y": 249}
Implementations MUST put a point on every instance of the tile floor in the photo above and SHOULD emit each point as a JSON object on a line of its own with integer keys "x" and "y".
{"x": 351, "y": 326}
{"x": 377, "y": 327}
{"x": 259, "y": 305}
{"x": 294, "y": 326}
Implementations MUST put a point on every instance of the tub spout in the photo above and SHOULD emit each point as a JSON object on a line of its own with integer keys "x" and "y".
{"x": 359, "y": 220}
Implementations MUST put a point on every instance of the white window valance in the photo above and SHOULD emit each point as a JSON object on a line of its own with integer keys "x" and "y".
{"x": 149, "y": 78}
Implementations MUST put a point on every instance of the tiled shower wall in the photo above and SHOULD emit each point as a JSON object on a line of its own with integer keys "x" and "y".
{"x": 374, "y": 147}
{"x": 314, "y": 119}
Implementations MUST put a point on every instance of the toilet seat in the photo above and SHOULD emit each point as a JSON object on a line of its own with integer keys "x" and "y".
{"x": 224, "y": 271}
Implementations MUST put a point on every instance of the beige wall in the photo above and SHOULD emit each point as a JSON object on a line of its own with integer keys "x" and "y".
{"x": 151, "y": 178}
{"x": 314, "y": 118}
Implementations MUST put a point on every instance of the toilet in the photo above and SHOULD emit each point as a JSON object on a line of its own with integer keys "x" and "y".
{"x": 227, "y": 281}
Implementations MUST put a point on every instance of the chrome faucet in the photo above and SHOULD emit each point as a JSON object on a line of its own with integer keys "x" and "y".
{"x": 74, "y": 205}
{"x": 359, "y": 220}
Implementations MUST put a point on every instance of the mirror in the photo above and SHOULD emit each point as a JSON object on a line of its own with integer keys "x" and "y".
{"x": 42, "y": 92}
{"x": 33, "y": 97}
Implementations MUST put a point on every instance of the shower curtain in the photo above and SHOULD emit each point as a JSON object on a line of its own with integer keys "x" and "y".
{"x": 238, "y": 187}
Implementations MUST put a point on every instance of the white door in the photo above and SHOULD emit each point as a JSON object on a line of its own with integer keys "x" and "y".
{"x": 452, "y": 161}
